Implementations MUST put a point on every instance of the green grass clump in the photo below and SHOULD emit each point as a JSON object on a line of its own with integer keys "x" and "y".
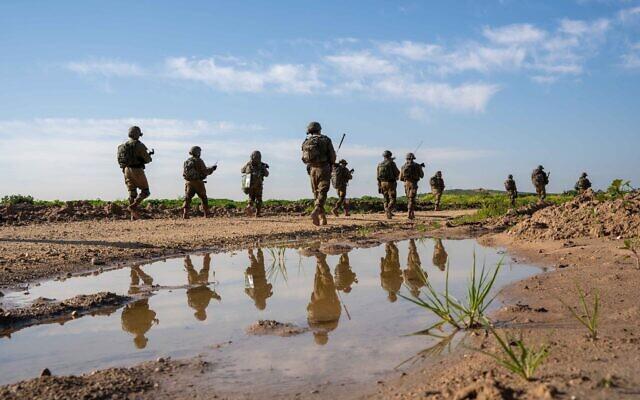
{"x": 524, "y": 360}
{"x": 589, "y": 316}
{"x": 467, "y": 314}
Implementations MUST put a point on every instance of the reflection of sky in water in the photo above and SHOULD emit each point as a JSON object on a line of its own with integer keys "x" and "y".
{"x": 182, "y": 322}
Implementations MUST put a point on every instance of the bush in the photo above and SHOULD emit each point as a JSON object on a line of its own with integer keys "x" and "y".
{"x": 17, "y": 199}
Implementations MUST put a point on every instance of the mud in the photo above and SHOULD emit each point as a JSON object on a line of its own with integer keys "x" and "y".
{"x": 275, "y": 328}
{"x": 48, "y": 310}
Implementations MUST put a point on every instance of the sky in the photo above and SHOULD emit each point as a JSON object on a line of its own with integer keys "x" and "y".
{"x": 479, "y": 89}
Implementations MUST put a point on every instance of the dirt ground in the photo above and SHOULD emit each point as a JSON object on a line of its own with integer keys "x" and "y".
{"x": 577, "y": 367}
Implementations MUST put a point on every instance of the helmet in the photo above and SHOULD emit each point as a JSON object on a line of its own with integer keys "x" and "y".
{"x": 256, "y": 156}
{"x": 342, "y": 162}
{"x": 195, "y": 150}
{"x": 135, "y": 132}
{"x": 386, "y": 154}
{"x": 540, "y": 167}
{"x": 584, "y": 174}
{"x": 314, "y": 127}
{"x": 439, "y": 173}
{"x": 510, "y": 176}
{"x": 410, "y": 156}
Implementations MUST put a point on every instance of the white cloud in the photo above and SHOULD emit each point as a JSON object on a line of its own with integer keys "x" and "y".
{"x": 544, "y": 79}
{"x": 361, "y": 64}
{"x": 411, "y": 50}
{"x": 631, "y": 59}
{"x": 514, "y": 34}
{"x": 629, "y": 14}
{"x": 584, "y": 28}
{"x": 105, "y": 68}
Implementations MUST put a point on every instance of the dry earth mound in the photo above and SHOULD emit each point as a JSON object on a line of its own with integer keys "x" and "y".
{"x": 583, "y": 217}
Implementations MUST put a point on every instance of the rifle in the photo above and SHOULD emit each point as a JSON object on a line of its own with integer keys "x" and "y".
{"x": 152, "y": 152}
{"x": 341, "y": 140}
{"x": 418, "y": 146}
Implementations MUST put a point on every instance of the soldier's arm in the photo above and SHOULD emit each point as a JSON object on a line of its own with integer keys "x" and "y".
{"x": 265, "y": 170}
{"x": 421, "y": 172}
{"x": 332, "y": 152}
{"x": 245, "y": 169}
{"x": 396, "y": 171}
{"x": 142, "y": 153}
{"x": 201, "y": 168}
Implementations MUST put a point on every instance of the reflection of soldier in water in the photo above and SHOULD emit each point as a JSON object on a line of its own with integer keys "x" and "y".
{"x": 390, "y": 272}
{"x": 199, "y": 295}
{"x": 439, "y": 255}
{"x": 345, "y": 277}
{"x": 323, "y": 311}
{"x": 137, "y": 318}
{"x": 414, "y": 275}
{"x": 256, "y": 285}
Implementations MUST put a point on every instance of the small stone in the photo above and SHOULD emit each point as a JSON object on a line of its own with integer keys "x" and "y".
{"x": 74, "y": 314}
{"x": 160, "y": 360}
{"x": 96, "y": 261}
{"x": 45, "y": 372}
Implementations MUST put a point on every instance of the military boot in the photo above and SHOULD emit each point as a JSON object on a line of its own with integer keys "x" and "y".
{"x": 334, "y": 211}
{"x": 346, "y": 209}
{"x": 315, "y": 216}
{"x": 258, "y": 212}
{"x": 205, "y": 210}
{"x": 133, "y": 208}
{"x": 323, "y": 217}
{"x": 185, "y": 212}
{"x": 412, "y": 215}
{"x": 389, "y": 213}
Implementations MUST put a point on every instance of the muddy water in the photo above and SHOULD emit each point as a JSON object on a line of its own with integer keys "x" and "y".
{"x": 203, "y": 304}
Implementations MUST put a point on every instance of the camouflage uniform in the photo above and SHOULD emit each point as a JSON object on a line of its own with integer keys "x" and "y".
{"x": 258, "y": 171}
{"x": 323, "y": 310}
{"x": 583, "y": 183}
{"x": 256, "y": 284}
{"x": 414, "y": 276}
{"x": 440, "y": 255}
{"x": 540, "y": 180}
{"x": 388, "y": 175}
{"x": 391, "y": 272}
{"x": 319, "y": 169}
{"x": 199, "y": 294}
{"x": 134, "y": 176}
{"x": 410, "y": 174}
{"x": 195, "y": 184}
{"x": 512, "y": 190}
{"x": 342, "y": 177}
{"x": 437, "y": 188}
{"x": 344, "y": 275}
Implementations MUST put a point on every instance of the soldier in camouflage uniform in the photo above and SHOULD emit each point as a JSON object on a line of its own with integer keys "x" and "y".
{"x": 512, "y": 190}
{"x": 137, "y": 318}
{"x": 540, "y": 180}
{"x": 344, "y": 275}
{"x": 258, "y": 171}
{"x": 319, "y": 156}
{"x": 437, "y": 188}
{"x": 388, "y": 175}
{"x": 323, "y": 310}
{"x": 132, "y": 157}
{"x": 440, "y": 255}
{"x": 414, "y": 276}
{"x": 199, "y": 294}
{"x": 583, "y": 183}
{"x": 341, "y": 177}
{"x": 256, "y": 284}
{"x": 391, "y": 272}
{"x": 195, "y": 171}
{"x": 410, "y": 174}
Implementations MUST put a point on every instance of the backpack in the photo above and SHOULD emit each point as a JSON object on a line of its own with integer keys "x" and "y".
{"x": 540, "y": 178}
{"x": 411, "y": 172}
{"x": 126, "y": 154}
{"x": 386, "y": 172}
{"x": 189, "y": 171}
{"x": 338, "y": 176}
{"x": 312, "y": 150}
{"x": 510, "y": 185}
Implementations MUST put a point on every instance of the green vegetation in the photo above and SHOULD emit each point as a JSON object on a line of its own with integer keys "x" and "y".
{"x": 523, "y": 361}
{"x": 467, "y": 314}
{"x": 17, "y": 199}
{"x": 618, "y": 188}
{"x": 589, "y": 317}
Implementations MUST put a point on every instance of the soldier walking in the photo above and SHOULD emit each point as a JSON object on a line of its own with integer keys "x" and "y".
{"x": 319, "y": 156}
{"x": 540, "y": 180}
{"x": 257, "y": 171}
{"x": 388, "y": 175}
{"x": 132, "y": 157}
{"x": 583, "y": 183}
{"x": 340, "y": 178}
{"x": 512, "y": 190}
{"x": 410, "y": 174}
{"x": 195, "y": 171}
{"x": 437, "y": 188}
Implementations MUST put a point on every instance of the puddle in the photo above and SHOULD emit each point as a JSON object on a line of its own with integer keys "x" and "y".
{"x": 349, "y": 301}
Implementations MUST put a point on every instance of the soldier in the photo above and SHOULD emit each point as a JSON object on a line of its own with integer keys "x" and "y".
{"x": 344, "y": 275}
{"x": 540, "y": 180}
{"x": 323, "y": 311}
{"x": 414, "y": 276}
{"x": 583, "y": 183}
{"x": 137, "y": 318}
{"x": 199, "y": 294}
{"x": 257, "y": 171}
{"x": 437, "y": 187}
{"x": 318, "y": 154}
{"x": 512, "y": 190}
{"x": 132, "y": 157}
{"x": 391, "y": 272}
{"x": 388, "y": 175}
{"x": 255, "y": 277}
{"x": 195, "y": 171}
{"x": 440, "y": 255}
{"x": 410, "y": 174}
{"x": 340, "y": 178}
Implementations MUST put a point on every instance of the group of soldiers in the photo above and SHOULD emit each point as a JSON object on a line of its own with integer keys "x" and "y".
{"x": 319, "y": 156}
{"x": 324, "y": 308}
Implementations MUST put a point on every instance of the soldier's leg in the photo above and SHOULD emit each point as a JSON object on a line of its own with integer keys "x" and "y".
{"x": 314, "y": 176}
{"x": 257, "y": 201}
{"x": 393, "y": 194}
{"x": 339, "y": 203}
{"x": 544, "y": 193}
{"x": 324, "y": 186}
{"x": 189, "y": 192}
{"x": 201, "y": 191}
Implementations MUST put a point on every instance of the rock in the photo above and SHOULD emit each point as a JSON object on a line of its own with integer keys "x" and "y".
{"x": 96, "y": 261}
{"x": 74, "y": 314}
{"x": 45, "y": 372}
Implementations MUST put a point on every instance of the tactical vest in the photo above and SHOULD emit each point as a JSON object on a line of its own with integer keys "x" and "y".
{"x": 339, "y": 177}
{"x": 539, "y": 178}
{"x": 313, "y": 150}
{"x": 510, "y": 185}
{"x": 189, "y": 171}
{"x": 411, "y": 172}
{"x": 386, "y": 172}
{"x": 127, "y": 155}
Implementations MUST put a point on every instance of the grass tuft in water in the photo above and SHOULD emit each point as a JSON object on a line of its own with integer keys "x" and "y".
{"x": 278, "y": 264}
{"x": 516, "y": 356}
{"x": 467, "y": 314}
{"x": 589, "y": 316}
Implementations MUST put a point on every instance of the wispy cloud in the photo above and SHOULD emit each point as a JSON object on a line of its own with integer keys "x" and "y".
{"x": 514, "y": 34}
{"x": 361, "y": 64}
{"x": 631, "y": 59}
{"x": 105, "y": 68}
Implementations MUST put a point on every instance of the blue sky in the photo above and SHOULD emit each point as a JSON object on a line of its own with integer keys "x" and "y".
{"x": 490, "y": 88}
